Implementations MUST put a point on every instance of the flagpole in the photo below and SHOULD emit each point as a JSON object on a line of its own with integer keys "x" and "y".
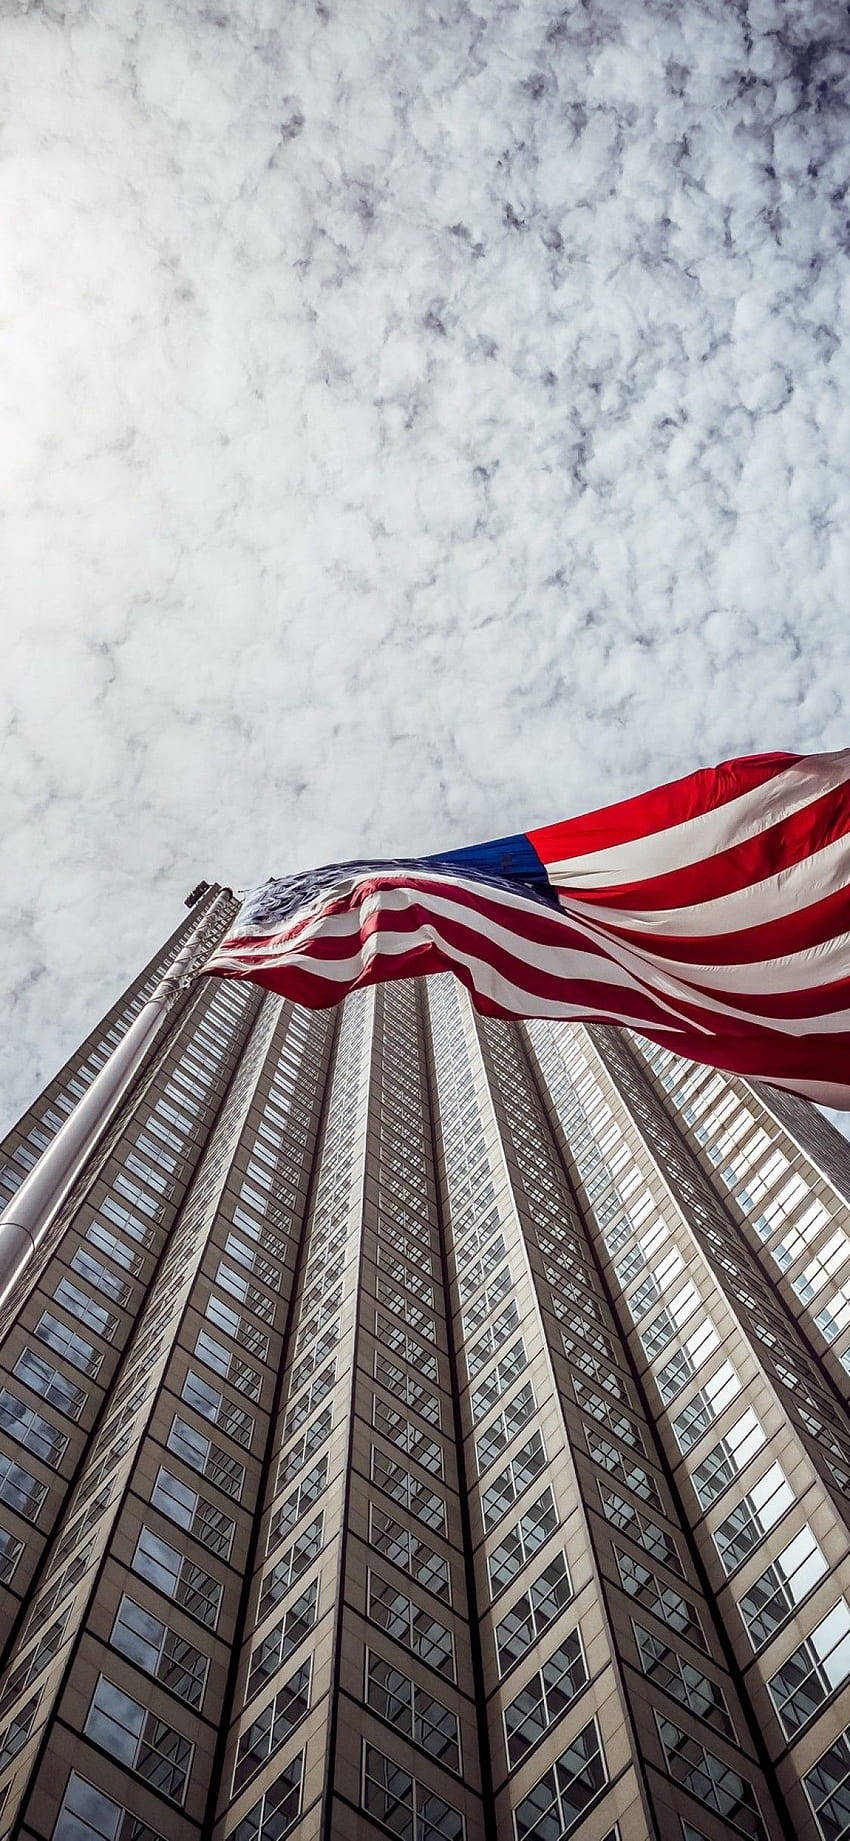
{"x": 34, "y": 1208}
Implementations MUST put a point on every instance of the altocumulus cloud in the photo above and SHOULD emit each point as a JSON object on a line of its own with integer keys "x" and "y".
{"x": 419, "y": 422}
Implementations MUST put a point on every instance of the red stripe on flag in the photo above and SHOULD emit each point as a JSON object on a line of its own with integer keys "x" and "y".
{"x": 795, "y": 840}
{"x": 594, "y": 959}
{"x": 658, "y": 810}
{"x": 456, "y": 937}
{"x": 777, "y": 939}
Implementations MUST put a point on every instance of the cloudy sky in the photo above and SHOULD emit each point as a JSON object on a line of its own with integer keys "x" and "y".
{"x": 419, "y": 421}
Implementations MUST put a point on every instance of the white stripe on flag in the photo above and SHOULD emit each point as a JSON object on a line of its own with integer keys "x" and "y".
{"x": 697, "y": 839}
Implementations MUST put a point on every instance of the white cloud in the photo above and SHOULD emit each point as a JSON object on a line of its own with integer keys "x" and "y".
{"x": 416, "y": 425}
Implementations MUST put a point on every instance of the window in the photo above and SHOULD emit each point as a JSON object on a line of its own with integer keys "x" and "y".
{"x": 640, "y": 1528}
{"x": 403, "y": 1806}
{"x": 545, "y": 1697}
{"x": 815, "y": 1275}
{"x": 807, "y": 1226}
{"x": 75, "y": 1349}
{"x": 48, "y": 1381}
{"x": 560, "y": 1799}
{"x": 499, "y": 1380}
{"x": 603, "y": 1410}
{"x": 22, "y": 1492}
{"x": 476, "y": 1273}
{"x": 390, "y": 1333}
{"x": 609, "y": 1457}
{"x": 78, "y": 1304}
{"x": 290, "y": 1566}
{"x": 505, "y": 1427}
{"x": 814, "y": 1671}
{"x": 606, "y": 1378}
{"x": 406, "y": 1707}
{"x": 271, "y": 1728}
{"x": 655, "y": 1284}
{"x": 222, "y": 1360}
{"x": 682, "y": 1681}
{"x": 214, "y": 1405}
{"x": 664, "y": 1327}
{"x": 253, "y": 1262}
{"x": 184, "y": 1506}
{"x": 402, "y": 1385}
{"x": 759, "y": 1511}
{"x": 695, "y": 1350}
{"x": 398, "y": 1483}
{"x": 781, "y": 1587}
{"x": 827, "y": 1786}
{"x": 408, "y": 1552}
{"x": 403, "y": 1306}
{"x": 87, "y": 1815}
{"x": 709, "y": 1779}
{"x": 35, "y": 1661}
{"x": 115, "y": 1248}
{"x": 419, "y": 1632}
{"x": 159, "y": 1651}
{"x": 97, "y": 1274}
{"x": 28, "y": 1428}
{"x": 250, "y": 1295}
{"x": 706, "y": 1406}
{"x": 511, "y": 1482}
{"x": 495, "y": 1334}
{"x": 727, "y": 1459}
{"x": 10, "y": 1553}
{"x": 663, "y": 1600}
{"x": 238, "y": 1327}
{"x": 522, "y": 1541}
{"x": 127, "y": 1731}
{"x": 311, "y": 1397}
{"x": 409, "y": 1437}
{"x": 278, "y": 1646}
{"x": 636, "y": 1259}
{"x": 836, "y": 1314}
{"x": 588, "y": 1331}
{"x": 178, "y": 1577}
{"x": 208, "y": 1458}
{"x": 532, "y": 1614}
{"x": 14, "y": 1736}
{"x": 273, "y": 1816}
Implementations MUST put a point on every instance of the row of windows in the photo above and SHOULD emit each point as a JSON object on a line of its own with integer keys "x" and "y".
{"x": 147, "y": 1640}
{"x": 88, "y": 1814}
{"x": 771, "y": 1495}
{"x": 820, "y": 1665}
{"x": 297, "y": 1521}
{"x": 814, "y": 1411}
{"x": 404, "y": 1806}
{"x": 23, "y": 1492}
{"x": 62, "y": 1101}
{"x": 136, "y": 1632}
{"x": 790, "y": 1212}
{"x": 552, "y": 1689}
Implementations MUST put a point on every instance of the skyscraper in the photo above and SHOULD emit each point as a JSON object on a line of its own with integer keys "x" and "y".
{"x": 412, "y": 1424}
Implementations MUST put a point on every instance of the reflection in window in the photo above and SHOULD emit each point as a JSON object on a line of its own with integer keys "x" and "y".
{"x": 409, "y": 1709}
{"x": 127, "y": 1731}
{"x": 407, "y": 1808}
{"x": 783, "y": 1585}
{"x": 88, "y": 1815}
{"x": 814, "y": 1671}
{"x": 561, "y": 1797}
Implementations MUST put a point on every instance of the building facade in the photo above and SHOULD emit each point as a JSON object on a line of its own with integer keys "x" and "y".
{"x": 421, "y": 1425}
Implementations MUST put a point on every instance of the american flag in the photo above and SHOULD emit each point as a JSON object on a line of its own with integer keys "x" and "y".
{"x": 711, "y": 915}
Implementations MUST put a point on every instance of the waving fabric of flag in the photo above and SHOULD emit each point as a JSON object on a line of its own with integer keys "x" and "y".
{"x": 711, "y": 915}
